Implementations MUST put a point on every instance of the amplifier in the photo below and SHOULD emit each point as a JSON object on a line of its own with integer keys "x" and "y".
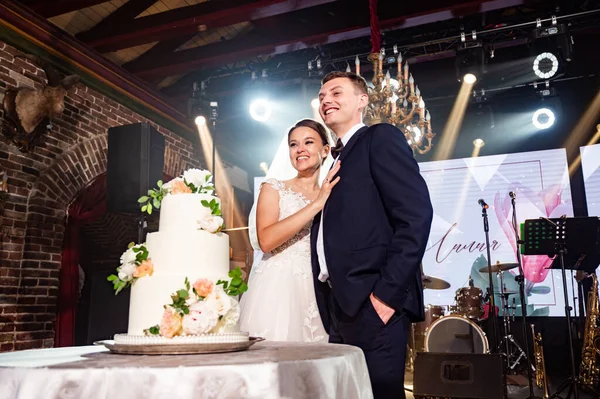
{"x": 459, "y": 375}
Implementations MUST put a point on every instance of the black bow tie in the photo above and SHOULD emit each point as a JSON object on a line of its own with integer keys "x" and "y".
{"x": 335, "y": 151}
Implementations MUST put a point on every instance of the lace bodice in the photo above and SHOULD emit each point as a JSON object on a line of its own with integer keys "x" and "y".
{"x": 291, "y": 202}
{"x": 280, "y": 304}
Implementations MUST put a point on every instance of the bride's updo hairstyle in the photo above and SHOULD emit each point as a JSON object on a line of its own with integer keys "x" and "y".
{"x": 314, "y": 125}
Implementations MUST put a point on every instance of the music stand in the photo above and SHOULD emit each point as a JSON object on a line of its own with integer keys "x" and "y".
{"x": 562, "y": 236}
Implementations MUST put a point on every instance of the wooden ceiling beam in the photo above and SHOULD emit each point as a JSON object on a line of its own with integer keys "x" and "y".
{"x": 159, "y": 50}
{"x": 192, "y": 19}
{"x": 306, "y": 28}
{"x": 123, "y": 15}
{"x": 49, "y": 9}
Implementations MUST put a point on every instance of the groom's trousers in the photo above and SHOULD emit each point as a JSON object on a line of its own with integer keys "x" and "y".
{"x": 384, "y": 345}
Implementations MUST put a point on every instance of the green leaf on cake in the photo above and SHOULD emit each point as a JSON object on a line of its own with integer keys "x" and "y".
{"x": 154, "y": 330}
{"x": 236, "y": 286}
{"x": 159, "y": 183}
{"x": 236, "y": 282}
{"x": 183, "y": 294}
{"x": 143, "y": 199}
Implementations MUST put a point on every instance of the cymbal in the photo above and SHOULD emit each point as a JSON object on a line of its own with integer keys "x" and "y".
{"x": 499, "y": 267}
{"x": 434, "y": 283}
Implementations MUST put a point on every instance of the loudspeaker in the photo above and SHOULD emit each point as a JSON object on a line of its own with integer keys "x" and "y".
{"x": 136, "y": 156}
{"x": 459, "y": 375}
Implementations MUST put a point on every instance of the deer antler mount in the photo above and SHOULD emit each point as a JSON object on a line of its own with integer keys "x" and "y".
{"x": 28, "y": 112}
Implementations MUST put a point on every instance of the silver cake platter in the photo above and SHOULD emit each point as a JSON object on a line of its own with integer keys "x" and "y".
{"x": 179, "y": 349}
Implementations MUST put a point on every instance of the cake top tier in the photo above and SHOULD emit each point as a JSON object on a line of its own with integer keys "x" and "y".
{"x": 187, "y": 202}
{"x": 190, "y": 212}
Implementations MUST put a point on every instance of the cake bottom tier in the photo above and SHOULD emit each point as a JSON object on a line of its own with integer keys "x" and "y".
{"x": 231, "y": 337}
{"x": 150, "y": 294}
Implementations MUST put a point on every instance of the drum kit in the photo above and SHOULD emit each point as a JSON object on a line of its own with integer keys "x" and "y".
{"x": 458, "y": 328}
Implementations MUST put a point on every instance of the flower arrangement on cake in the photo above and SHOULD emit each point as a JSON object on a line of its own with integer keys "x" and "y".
{"x": 202, "y": 308}
{"x": 135, "y": 263}
{"x": 192, "y": 181}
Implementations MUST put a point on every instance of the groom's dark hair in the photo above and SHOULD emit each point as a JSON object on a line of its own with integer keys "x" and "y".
{"x": 359, "y": 82}
{"x": 314, "y": 125}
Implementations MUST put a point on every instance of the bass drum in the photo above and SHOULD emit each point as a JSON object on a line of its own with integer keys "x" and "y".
{"x": 455, "y": 334}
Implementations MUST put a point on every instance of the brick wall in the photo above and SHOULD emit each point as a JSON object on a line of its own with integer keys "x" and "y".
{"x": 41, "y": 184}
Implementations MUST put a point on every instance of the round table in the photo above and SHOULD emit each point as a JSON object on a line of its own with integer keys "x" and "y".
{"x": 266, "y": 370}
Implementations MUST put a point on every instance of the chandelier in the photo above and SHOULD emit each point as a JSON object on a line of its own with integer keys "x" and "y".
{"x": 396, "y": 101}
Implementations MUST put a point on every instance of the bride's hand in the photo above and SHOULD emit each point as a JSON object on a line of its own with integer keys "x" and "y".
{"x": 327, "y": 186}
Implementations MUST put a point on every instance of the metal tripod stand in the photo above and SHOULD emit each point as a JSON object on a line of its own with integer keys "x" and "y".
{"x": 514, "y": 353}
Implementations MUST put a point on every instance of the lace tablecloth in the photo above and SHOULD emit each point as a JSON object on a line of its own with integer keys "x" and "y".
{"x": 266, "y": 370}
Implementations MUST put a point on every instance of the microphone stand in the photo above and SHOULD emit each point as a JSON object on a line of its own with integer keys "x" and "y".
{"x": 492, "y": 313}
{"x": 521, "y": 281}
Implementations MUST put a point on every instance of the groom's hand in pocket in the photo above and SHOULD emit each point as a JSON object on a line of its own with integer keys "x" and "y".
{"x": 384, "y": 311}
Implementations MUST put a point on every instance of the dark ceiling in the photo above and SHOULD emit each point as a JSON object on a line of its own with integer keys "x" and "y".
{"x": 175, "y": 43}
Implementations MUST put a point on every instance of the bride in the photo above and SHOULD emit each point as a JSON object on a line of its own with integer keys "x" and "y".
{"x": 280, "y": 302}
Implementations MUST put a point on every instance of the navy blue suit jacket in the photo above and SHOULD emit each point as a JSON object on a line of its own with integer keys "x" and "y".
{"x": 376, "y": 226}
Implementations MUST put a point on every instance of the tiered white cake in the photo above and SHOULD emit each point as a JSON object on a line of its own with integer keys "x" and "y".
{"x": 180, "y": 251}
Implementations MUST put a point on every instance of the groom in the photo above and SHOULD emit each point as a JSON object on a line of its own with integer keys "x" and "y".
{"x": 368, "y": 242}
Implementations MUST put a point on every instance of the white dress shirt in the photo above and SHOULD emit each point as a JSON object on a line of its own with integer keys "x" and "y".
{"x": 324, "y": 272}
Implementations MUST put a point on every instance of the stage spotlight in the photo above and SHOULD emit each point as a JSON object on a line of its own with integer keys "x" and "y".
{"x": 543, "y": 118}
{"x": 314, "y": 103}
{"x": 470, "y": 78}
{"x": 470, "y": 59}
{"x": 260, "y": 110}
{"x": 478, "y": 143}
{"x": 545, "y": 65}
{"x": 200, "y": 121}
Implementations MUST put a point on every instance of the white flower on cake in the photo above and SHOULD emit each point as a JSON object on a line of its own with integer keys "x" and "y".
{"x": 201, "y": 319}
{"x": 198, "y": 177}
{"x": 202, "y": 307}
{"x": 129, "y": 256}
{"x": 126, "y": 271}
{"x": 230, "y": 319}
{"x": 219, "y": 300}
{"x": 192, "y": 181}
{"x": 211, "y": 223}
{"x": 135, "y": 263}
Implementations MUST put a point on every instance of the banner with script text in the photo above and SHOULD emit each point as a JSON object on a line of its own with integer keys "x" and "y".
{"x": 456, "y": 248}
{"x": 590, "y": 165}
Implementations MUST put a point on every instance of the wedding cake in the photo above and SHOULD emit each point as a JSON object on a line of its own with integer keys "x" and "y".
{"x": 181, "y": 288}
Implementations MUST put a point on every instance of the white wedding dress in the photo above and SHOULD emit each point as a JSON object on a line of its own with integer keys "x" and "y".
{"x": 280, "y": 303}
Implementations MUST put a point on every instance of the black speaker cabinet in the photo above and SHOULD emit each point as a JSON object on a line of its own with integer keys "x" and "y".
{"x": 136, "y": 156}
{"x": 459, "y": 375}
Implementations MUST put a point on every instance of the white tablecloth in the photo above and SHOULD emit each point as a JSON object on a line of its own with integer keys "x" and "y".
{"x": 267, "y": 370}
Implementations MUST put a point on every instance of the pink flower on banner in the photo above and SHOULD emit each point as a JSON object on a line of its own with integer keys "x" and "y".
{"x": 547, "y": 203}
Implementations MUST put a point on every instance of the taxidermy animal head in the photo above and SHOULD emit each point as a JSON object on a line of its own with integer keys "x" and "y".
{"x": 28, "y": 111}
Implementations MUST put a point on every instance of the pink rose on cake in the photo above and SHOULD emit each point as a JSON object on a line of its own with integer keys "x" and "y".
{"x": 203, "y": 287}
{"x": 201, "y": 319}
{"x": 146, "y": 268}
{"x": 177, "y": 186}
{"x": 170, "y": 324}
{"x": 135, "y": 263}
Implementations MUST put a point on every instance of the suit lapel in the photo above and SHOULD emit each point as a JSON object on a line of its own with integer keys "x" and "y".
{"x": 348, "y": 147}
